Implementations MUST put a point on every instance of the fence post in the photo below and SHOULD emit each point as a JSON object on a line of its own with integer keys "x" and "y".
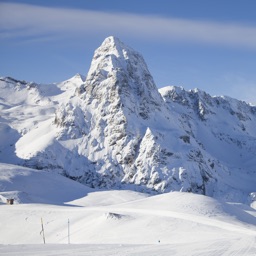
{"x": 68, "y": 232}
{"x": 42, "y": 231}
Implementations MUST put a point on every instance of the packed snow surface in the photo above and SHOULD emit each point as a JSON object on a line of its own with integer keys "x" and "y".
{"x": 116, "y": 222}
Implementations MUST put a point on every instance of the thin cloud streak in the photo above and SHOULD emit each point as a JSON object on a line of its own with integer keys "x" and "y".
{"x": 20, "y": 20}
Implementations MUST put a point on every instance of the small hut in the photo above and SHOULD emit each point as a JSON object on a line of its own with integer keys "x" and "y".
{"x": 10, "y": 201}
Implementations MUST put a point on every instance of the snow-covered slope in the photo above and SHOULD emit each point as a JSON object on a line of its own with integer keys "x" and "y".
{"x": 27, "y": 185}
{"x": 165, "y": 217}
{"x": 112, "y": 222}
{"x": 115, "y": 129}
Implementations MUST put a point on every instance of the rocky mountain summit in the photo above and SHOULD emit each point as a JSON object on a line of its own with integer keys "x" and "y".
{"x": 115, "y": 129}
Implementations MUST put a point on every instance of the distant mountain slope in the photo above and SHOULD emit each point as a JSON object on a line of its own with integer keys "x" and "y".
{"x": 27, "y": 185}
{"x": 115, "y": 129}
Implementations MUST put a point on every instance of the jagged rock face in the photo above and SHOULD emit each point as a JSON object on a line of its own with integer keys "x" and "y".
{"x": 114, "y": 129}
{"x": 120, "y": 97}
{"x": 223, "y": 130}
{"x": 119, "y": 76}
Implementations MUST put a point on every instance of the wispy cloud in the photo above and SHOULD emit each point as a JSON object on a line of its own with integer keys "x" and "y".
{"x": 20, "y": 20}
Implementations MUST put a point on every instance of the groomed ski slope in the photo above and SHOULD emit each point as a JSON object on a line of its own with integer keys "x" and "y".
{"x": 116, "y": 222}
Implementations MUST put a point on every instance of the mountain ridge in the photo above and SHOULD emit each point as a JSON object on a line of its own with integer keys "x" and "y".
{"x": 115, "y": 129}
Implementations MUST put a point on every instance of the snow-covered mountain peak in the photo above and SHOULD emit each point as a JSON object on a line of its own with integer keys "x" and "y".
{"x": 112, "y": 45}
{"x": 72, "y": 83}
{"x": 114, "y": 56}
{"x": 78, "y": 77}
{"x": 119, "y": 73}
{"x": 109, "y": 56}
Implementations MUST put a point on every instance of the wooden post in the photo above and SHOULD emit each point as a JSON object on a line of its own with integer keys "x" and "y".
{"x": 68, "y": 233}
{"x": 42, "y": 231}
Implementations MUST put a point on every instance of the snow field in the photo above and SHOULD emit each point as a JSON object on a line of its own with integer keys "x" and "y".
{"x": 115, "y": 222}
{"x": 111, "y": 230}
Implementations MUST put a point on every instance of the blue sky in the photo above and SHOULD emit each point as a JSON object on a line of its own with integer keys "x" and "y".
{"x": 205, "y": 44}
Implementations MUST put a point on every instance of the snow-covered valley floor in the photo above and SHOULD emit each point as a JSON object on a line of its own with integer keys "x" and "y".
{"x": 116, "y": 222}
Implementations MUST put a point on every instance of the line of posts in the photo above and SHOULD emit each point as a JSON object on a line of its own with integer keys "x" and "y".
{"x": 42, "y": 231}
